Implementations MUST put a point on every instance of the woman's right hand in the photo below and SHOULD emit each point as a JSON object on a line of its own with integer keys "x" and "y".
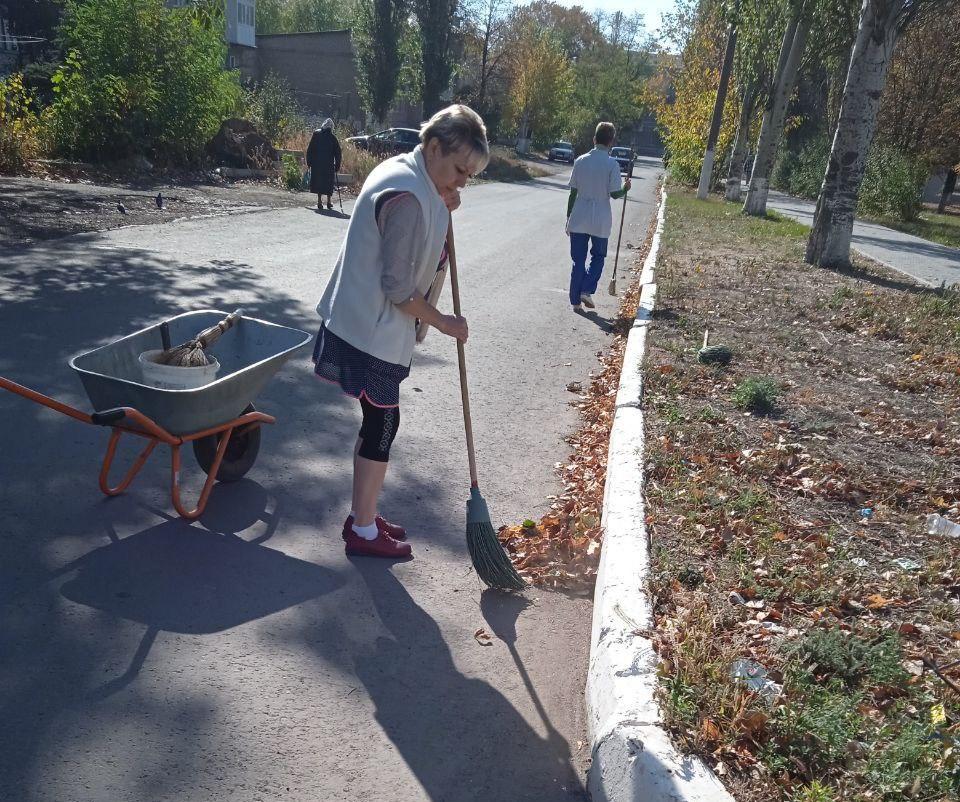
{"x": 454, "y": 326}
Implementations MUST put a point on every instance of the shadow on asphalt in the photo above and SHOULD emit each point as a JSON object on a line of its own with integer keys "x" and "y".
{"x": 923, "y": 250}
{"x": 604, "y": 324}
{"x": 181, "y": 578}
{"x": 334, "y": 213}
{"x": 431, "y": 711}
{"x": 86, "y": 589}
{"x": 888, "y": 282}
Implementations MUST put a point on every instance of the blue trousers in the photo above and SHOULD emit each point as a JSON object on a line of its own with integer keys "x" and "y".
{"x": 584, "y": 280}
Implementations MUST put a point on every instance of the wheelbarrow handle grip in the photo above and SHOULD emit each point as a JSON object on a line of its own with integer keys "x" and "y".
{"x": 108, "y": 417}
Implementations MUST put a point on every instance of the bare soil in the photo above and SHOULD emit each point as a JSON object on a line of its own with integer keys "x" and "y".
{"x": 71, "y": 201}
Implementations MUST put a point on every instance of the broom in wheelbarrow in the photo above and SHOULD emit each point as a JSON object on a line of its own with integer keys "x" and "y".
{"x": 490, "y": 561}
{"x": 191, "y": 353}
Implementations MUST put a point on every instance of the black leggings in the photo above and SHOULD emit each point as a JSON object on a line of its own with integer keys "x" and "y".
{"x": 378, "y": 430}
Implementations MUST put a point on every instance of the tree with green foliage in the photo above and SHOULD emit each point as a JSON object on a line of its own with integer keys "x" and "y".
{"x": 376, "y": 40}
{"x": 608, "y": 83}
{"x": 299, "y": 16}
{"x": 753, "y": 68}
{"x": 799, "y": 19}
{"x": 21, "y": 129}
{"x": 140, "y": 78}
{"x": 272, "y": 107}
{"x": 436, "y": 20}
{"x": 920, "y": 109}
{"x": 684, "y": 113}
{"x": 882, "y": 23}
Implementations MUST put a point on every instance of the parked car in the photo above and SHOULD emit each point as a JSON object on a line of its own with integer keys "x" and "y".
{"x": 561, "y": 152}
{"x": 625, "y": 159}
{"x": 389, "y": 142}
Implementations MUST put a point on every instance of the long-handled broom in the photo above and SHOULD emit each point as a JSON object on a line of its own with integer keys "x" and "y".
{"x": 612, "y": 286}
{"x": 490, "y": 561}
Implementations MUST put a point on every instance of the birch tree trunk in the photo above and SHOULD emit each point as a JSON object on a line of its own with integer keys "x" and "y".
{"x": 881, "y": 22}
{"x": 774, "y": 115}
{"x": 742, "y": 138}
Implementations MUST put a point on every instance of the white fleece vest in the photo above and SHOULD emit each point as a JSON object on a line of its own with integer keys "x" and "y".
{"x": 353, "y": 305}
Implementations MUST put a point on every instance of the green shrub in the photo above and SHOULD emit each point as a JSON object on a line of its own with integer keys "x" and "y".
{"x": 272, "y": 107}
{"x": 140, "y": 78}
{"x": 817, "y": 727}
{"x": 912, "y": 759}
{"x": 850, "y": 658}
{"x": 359, "y": 163}
{"x": 815, "y": 792}
{"x": 292, "y": 174}
{"x": 892, "y": 184}
{"x": 756, "y": 395}
{"x": 21, "y": 130}
{"x": 802, "y": 173}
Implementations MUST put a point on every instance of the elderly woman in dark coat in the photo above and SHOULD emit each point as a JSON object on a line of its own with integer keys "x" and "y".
{"x": 323, "y": 159}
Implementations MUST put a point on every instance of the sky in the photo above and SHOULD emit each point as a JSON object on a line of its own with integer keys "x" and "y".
{"x": 651, "y": 9}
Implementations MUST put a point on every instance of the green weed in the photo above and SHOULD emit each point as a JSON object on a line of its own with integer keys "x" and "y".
{"x": 756, "y": 395}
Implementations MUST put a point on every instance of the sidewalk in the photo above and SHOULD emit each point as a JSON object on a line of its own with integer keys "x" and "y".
{"x": 926, "y": 261}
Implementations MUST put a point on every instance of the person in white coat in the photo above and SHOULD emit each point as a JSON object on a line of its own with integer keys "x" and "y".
{"x": 395, "y": 244}
{"x": 594, "y": 181}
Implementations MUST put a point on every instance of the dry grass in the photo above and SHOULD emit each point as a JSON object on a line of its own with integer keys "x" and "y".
{"x": 796, "y": 539}
{"x": 358, "y": 163}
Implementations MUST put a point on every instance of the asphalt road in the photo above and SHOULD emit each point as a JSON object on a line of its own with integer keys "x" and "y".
{"x": 930, "y": 263}
{"x": 244, "y": 657}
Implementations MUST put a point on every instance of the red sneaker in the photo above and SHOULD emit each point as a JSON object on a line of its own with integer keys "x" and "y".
{"x": 382, "y": 546}
{"x": 392, "y": 530}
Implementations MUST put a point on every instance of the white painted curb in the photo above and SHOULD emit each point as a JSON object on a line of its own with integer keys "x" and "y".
{"x": 633, "y": 758}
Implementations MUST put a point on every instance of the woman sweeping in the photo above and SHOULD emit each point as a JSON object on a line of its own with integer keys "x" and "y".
{"x": 388, "y": 260}
{"x": 323, "y": 159}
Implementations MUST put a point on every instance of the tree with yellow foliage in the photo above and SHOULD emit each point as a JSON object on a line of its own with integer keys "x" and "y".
{"x": 541, "y": 88}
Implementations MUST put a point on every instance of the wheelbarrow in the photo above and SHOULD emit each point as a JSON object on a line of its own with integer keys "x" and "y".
{"x": 217, "y": 419}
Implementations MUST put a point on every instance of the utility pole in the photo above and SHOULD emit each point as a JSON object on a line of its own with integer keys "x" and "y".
{"x": 706, "y": 171}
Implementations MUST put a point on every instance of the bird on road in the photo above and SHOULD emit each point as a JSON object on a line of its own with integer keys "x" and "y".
{"x": 159, "y": 200}
{"x": 121, "y": 208}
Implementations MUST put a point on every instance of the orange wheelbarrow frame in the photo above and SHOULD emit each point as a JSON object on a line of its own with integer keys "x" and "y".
{"x": 127, "y": 420}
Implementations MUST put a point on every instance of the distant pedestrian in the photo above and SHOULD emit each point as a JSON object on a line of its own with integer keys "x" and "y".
{"x": 594, "y": 181}
{"x": 394, "y": 247}
{"x": 323, "y": 159}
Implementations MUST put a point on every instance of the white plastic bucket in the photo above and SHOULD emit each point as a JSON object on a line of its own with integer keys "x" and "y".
{"x": 174, "y": 377}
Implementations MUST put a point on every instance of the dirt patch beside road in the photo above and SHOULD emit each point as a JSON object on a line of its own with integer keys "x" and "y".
{"x": 34, "y": 209}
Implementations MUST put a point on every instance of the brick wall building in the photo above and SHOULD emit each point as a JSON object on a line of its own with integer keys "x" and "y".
{"x": 319, "y": 67}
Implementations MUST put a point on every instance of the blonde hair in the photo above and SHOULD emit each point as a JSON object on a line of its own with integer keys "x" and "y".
{"x": 455, "y": 127}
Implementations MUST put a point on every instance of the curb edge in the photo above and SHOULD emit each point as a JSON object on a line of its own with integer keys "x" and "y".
{"x": 633, "y": 757}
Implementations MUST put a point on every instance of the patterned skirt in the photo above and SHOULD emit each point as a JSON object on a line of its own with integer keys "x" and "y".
{"x": 357, "y": 372}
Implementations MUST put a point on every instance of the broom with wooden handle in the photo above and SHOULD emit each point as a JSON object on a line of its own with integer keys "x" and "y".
{"x": 612, "y": 286}
{"x": 490, "y": 561}
{"x": 190, "y": 354}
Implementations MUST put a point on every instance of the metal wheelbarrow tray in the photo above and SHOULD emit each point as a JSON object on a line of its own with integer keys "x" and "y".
{"x": 218, "y": 419}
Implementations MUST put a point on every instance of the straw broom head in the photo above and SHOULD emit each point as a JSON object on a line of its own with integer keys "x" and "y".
{"x": 191, "y": 353}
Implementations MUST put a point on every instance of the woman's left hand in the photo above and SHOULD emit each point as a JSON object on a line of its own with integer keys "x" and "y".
{"x": 452, "y": 199}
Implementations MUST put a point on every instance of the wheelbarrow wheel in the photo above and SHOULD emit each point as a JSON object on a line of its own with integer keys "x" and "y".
{"x": 239, "y": 457}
